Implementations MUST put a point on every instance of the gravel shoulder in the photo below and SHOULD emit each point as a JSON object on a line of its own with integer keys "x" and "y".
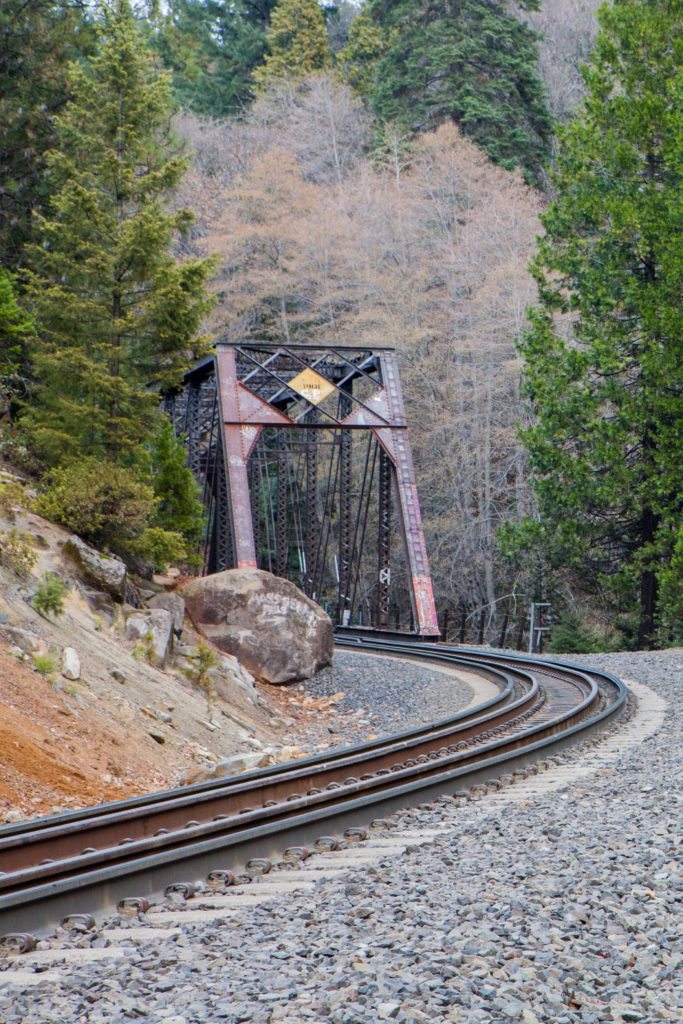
{"x": 366, "y": 695}
{"x": 565, "y": 912}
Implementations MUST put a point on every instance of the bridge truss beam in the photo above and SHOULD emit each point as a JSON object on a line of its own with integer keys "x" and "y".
{"x": 304, "y": 461}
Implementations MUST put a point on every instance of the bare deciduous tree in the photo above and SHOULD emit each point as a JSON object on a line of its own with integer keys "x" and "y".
{"x": 426, "y": 250}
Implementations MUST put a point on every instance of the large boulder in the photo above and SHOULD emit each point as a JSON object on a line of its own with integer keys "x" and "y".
{"x": 154, "y": 627}
{"x": 102, "y": 571}
{"x": 267, "y": 623}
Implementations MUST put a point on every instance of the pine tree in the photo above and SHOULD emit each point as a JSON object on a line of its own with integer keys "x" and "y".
{"x": 361, "y": 55}
{"x": 37, "y": 39}
{"x": 180, "y": 508}
{"x": 16, "y": 331}
{"x": 604, "y": 352}
{"x": 118, "y": 314}
{"x": 472, "y": 63}
{"x": 212, "y": 48}
{"x": 297, "y": 42}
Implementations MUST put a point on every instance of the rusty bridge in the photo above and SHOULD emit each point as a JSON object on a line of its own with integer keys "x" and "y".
{"x": 303, "y": 458}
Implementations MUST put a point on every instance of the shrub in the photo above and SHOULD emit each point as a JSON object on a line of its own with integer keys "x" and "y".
{"x": 144, "y": 649}
{"x": 11, "y": 496}
{"x": 15, "y": 450}
{"x": 571, "y": 635}
{"x": 45, "y": 664}
{"x": 50, "y": 596}
{"x": 200, "y": 672}
{"x": 104, "y": 504}
{"x": 16, "y": 552}
{"x": 159, "y": 547}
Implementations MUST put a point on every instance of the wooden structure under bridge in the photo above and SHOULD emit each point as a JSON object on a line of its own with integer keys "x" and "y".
{"x": 306, "y": 471}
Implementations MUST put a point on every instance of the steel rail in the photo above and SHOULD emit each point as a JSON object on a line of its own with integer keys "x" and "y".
{"x": 198, "y": 790}
{"x": 170, "y": 811}
{"x": 541, "y": 706}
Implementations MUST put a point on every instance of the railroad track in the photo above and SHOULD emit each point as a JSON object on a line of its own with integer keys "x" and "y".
{"x": 84, "y": 861}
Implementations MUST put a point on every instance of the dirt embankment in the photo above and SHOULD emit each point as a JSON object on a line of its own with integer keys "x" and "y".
{"x": 123, "y": 727}
{"x": 55, "y": 751}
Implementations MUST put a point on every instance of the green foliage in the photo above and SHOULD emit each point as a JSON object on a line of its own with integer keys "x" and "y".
{"x": 37, "y": 40}
{"x": 179, "y": 508}
{"x": 15, "y": 449}
{"x": 429, "y": 61}
{"x": 159, "y": 547}
{"x": 16, "y": 330}
{"x": 212, "y": 49}
{"x": 118, "y": 314}
{"x": 11, "y": 497}
{"x": 200, "y": 672}
{"x": 144, "y": 649}
{"x": 45, "y": 664}
{"x": 571, "y": 635}
{"x": 50, "y": 596}
{"x": 296, "y": 42}
{"x": 107, "y": 507}
{"x": 603, "y": 353}
{"x": 671, "y": 578}
{"x": 360, "y": 57}
{"x": 16, "y": 552}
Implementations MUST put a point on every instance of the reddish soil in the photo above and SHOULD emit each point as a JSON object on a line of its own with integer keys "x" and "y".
{"x": 53, "y": 753}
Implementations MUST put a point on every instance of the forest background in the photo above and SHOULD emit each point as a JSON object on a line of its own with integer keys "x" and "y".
{"x": 369, "y": 174}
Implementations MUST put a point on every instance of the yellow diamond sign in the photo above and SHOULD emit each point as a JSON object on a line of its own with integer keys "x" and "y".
{"x": 311, "y": 386}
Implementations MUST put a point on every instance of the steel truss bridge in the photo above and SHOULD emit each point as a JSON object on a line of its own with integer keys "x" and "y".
{"x": 304, "y": 462}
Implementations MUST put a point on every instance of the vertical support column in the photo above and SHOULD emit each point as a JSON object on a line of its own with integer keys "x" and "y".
{"x": 282, "y": 538}
{"x": 345, "y": 529}
{"x": 255, "y": 501}
{"x": 395, "y": 441}
{"x": 192, "y": 428}
{"x": 312, "y": 526}
{"x": 236, "y": 449}
{"x": 223, "y": 552}
{"x": 384, "y": 540}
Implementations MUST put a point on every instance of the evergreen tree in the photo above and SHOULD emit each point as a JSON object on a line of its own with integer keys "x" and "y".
{"x": 212, "y": 48}
{"x": 37, "y": 39}
{"x": 471, "y": 62}
{"x": 604, "y": 352}
{"x": 16, "y": 331}
{"x": 297, "y": 42}
{"x": 117, "y": 313}
{"x": 180, "y": 507}
{"x": 361, "y": 55}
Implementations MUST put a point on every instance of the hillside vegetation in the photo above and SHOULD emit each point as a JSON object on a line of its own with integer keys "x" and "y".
{"x": 364, "y": 173}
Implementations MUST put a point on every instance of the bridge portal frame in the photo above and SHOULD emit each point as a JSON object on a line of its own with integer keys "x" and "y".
{"x": 307, "y": 388}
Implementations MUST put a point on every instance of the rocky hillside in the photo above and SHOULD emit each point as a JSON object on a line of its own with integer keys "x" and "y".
{"x": 106, "y": 699}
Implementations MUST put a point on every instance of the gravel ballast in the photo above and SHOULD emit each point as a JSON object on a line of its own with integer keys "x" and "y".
{"x": 566, "y": 910}
{"x": 381, "y": 695}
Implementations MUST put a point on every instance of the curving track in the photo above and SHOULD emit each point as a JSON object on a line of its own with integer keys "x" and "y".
{"x": 87, "y": 860}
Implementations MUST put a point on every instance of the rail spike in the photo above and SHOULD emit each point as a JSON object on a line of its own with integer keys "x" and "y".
{"x": 356, "y": 834}
{"x": 220, "y": 879}
{"x": 258, "y": 866}
{"x": 78, "y": 923}
{"x": 180, "y": 891}
{"x": 323, "y": 843}
{"x": 18, "y": 942}
{"x": 294, "y": 854}
{"x": 133, "y": 906}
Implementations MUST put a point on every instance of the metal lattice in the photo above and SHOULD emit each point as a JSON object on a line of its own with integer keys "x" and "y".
{"x": 305, "y": 466}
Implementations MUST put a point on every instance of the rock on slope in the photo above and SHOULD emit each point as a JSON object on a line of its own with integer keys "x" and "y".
{"x": 266, "y": 622}
{"x": 125, "y": 725}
